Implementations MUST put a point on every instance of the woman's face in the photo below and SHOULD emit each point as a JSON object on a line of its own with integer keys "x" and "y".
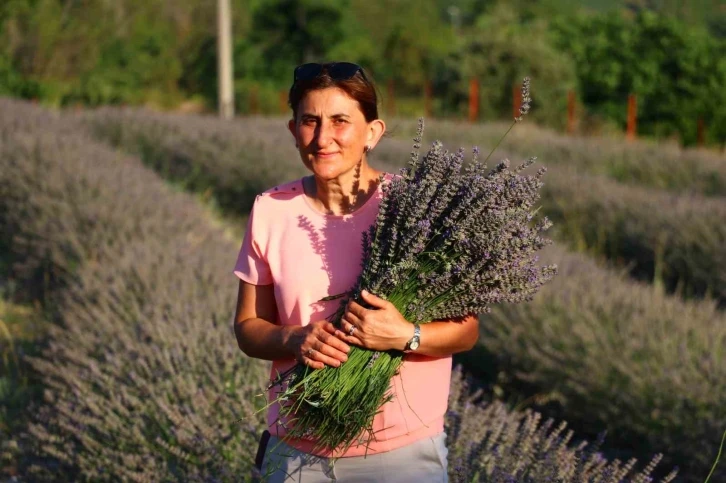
{"x": 331, "y": 132}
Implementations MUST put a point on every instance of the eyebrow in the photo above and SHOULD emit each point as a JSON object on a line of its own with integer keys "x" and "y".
{"x": 313, "y": 116}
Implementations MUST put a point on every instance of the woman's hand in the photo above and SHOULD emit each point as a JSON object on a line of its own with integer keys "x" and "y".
{"x": 380, "y": 328}
{"x": 316, "y": 345}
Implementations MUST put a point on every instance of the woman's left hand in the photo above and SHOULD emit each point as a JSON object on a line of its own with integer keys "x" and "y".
{"x": 380, "y": 328}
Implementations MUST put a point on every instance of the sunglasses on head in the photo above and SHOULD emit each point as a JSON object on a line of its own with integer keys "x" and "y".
{"x": 336, "y": 71}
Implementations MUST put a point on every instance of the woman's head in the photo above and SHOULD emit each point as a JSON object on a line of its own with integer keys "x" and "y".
{"x": 335, "y": 117}
{"x": 346, "y": 76}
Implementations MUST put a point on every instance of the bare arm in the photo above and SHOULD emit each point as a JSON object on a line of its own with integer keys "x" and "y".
{"x": 383, "y": 328}
{"x": 443, "y": 338}
{"x": 258, "y": 336}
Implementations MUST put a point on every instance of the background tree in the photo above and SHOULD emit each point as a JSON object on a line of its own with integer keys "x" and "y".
{"x": 161, "y": 53}
{"x": 674, "y": 70}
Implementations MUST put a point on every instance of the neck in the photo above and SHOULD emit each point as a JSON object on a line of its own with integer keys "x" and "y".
{"x": 345, "y": 193}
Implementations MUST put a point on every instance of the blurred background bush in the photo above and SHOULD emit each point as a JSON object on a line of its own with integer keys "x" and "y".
{"x": 670, "y": 54}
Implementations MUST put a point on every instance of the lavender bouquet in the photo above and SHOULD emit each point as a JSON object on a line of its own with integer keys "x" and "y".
{"x": 448, "y": 241}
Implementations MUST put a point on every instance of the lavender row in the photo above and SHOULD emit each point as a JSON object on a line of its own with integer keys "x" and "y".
{"x": 632, "y": 309}
{"x": 675, "y": 240}
{"x": 617, "y": 355}
{"x": 646, "y": 163}
{"x": 563, "y": 311}
{"x": 236, "y": 161}
{"x": 143, "y": 378}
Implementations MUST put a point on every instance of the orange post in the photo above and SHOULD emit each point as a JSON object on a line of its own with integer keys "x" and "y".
{"x": 254, "y": 104}
{"x": 283, "y": 102}
{"x": 516, "y": 99}
{"x": 701, "y": 134}
{"x": 632, "y": 117}
{"x": 428, "y": 95}
{"x": 391, "y": 98}
{"x": 571, "y": 102}
{"x": 473, "y": 100}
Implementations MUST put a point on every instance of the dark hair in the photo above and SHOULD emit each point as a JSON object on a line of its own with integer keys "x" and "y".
{"x": 357, "y": 87}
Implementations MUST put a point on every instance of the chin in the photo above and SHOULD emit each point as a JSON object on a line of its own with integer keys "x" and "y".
{"x": 324, "y": 170}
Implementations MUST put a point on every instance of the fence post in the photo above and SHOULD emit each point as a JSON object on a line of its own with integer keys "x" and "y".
{"x": 254, "y": 104}
{"x": 428, "y": 94}
{"x": 283, "y": 101}
{"x": 516, "y": 100}
{"x": 473, "y": 100}
{"x": 632, "y": 117}
{"x": 571, "y": 100}
{"x": 701, "y": 133}
{"x": 391, "y": 98}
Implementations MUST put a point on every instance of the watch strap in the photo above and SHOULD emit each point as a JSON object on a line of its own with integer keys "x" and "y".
{"x": 416, "y": 335}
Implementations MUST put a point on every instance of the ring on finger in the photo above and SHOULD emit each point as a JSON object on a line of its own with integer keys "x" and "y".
{"x": 309, "y": 352}
{"x": 351, "y": 330}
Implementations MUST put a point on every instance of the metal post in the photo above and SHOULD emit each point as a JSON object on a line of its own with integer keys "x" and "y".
{"x": 224, "y": 55}
{"x": 254, "y": 104}
{"x": 428, "y": 94}
{"x": 391, "y": 97}
{"x": 283, "y": 101}
{"x": 571, "y": 101}
{"x": 701, "y": 132}
{"x": 473, "y": 100}
{"x": 632, "y": 117}
{"x": 516, "y": 99}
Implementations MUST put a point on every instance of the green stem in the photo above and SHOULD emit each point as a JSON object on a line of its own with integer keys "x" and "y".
{"x": 718, "y": 457}
{"x": 500, "y": 142}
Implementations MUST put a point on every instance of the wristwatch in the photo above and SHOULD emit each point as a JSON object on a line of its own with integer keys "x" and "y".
{"x": 414, "y": 342}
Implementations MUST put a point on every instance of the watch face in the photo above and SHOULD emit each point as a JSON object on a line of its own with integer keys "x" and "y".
{"x": 414, "y": 344}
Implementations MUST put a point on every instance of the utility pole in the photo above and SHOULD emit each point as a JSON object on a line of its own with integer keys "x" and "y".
{"x": 224, "y": 59}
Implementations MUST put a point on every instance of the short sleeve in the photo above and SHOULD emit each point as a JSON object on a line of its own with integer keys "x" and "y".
{"x": 252, "y": 266}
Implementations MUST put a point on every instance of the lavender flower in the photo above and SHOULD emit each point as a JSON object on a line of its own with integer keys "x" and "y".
{"x": 526, "y": 100}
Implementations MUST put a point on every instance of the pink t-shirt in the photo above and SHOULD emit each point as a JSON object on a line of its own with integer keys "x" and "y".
{"x": 308, "y": 255}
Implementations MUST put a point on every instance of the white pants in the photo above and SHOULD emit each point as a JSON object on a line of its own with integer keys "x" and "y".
{"x": 423, "y": 461}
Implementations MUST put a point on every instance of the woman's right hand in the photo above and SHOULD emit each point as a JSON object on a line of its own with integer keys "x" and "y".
{"x": 316, "y": 345}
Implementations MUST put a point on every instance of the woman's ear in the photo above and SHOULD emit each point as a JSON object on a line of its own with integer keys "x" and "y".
{"x": 376, "y": 128}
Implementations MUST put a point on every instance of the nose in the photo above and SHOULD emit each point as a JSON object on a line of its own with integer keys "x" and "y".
{"x": 324, "y": 135}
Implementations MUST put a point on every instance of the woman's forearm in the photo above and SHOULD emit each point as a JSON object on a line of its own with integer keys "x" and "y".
{"x": 264, "y": 340}
{"x": 443, "y": 338}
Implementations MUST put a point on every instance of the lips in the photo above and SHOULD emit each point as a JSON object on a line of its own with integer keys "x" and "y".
{"x": 325, "y": 155}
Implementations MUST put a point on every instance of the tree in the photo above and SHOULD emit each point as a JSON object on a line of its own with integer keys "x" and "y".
{"x": 292, "y": 32}
{"x": 499, "y": 50}
{"x": 675, "y": 70}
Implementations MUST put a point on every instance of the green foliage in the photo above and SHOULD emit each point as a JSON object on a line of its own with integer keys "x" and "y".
{"x": 96, "y": 52}
{"x": 291, "y": 32}
{"x": 499, "y": 51}
{"x": 677, "y": 72}
{"x": 12, "y": 82}
{"x": 153, "y": 52}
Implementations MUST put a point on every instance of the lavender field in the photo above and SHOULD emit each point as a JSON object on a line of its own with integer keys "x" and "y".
{"x": 123, "y": 225}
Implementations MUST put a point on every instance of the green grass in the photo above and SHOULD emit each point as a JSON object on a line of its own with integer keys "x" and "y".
{"x": 21, "y": 333}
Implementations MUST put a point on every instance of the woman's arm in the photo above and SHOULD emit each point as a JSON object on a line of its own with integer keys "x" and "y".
{"x": 258, "y": 337}
{"x": 383, "y": 328}
{"x": 443, "y": 338}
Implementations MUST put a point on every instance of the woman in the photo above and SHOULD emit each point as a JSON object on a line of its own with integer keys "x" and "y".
{"x": 303, "y": 243}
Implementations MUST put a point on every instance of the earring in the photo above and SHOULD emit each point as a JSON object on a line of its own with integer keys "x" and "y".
{"x": 367, "y": 149}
